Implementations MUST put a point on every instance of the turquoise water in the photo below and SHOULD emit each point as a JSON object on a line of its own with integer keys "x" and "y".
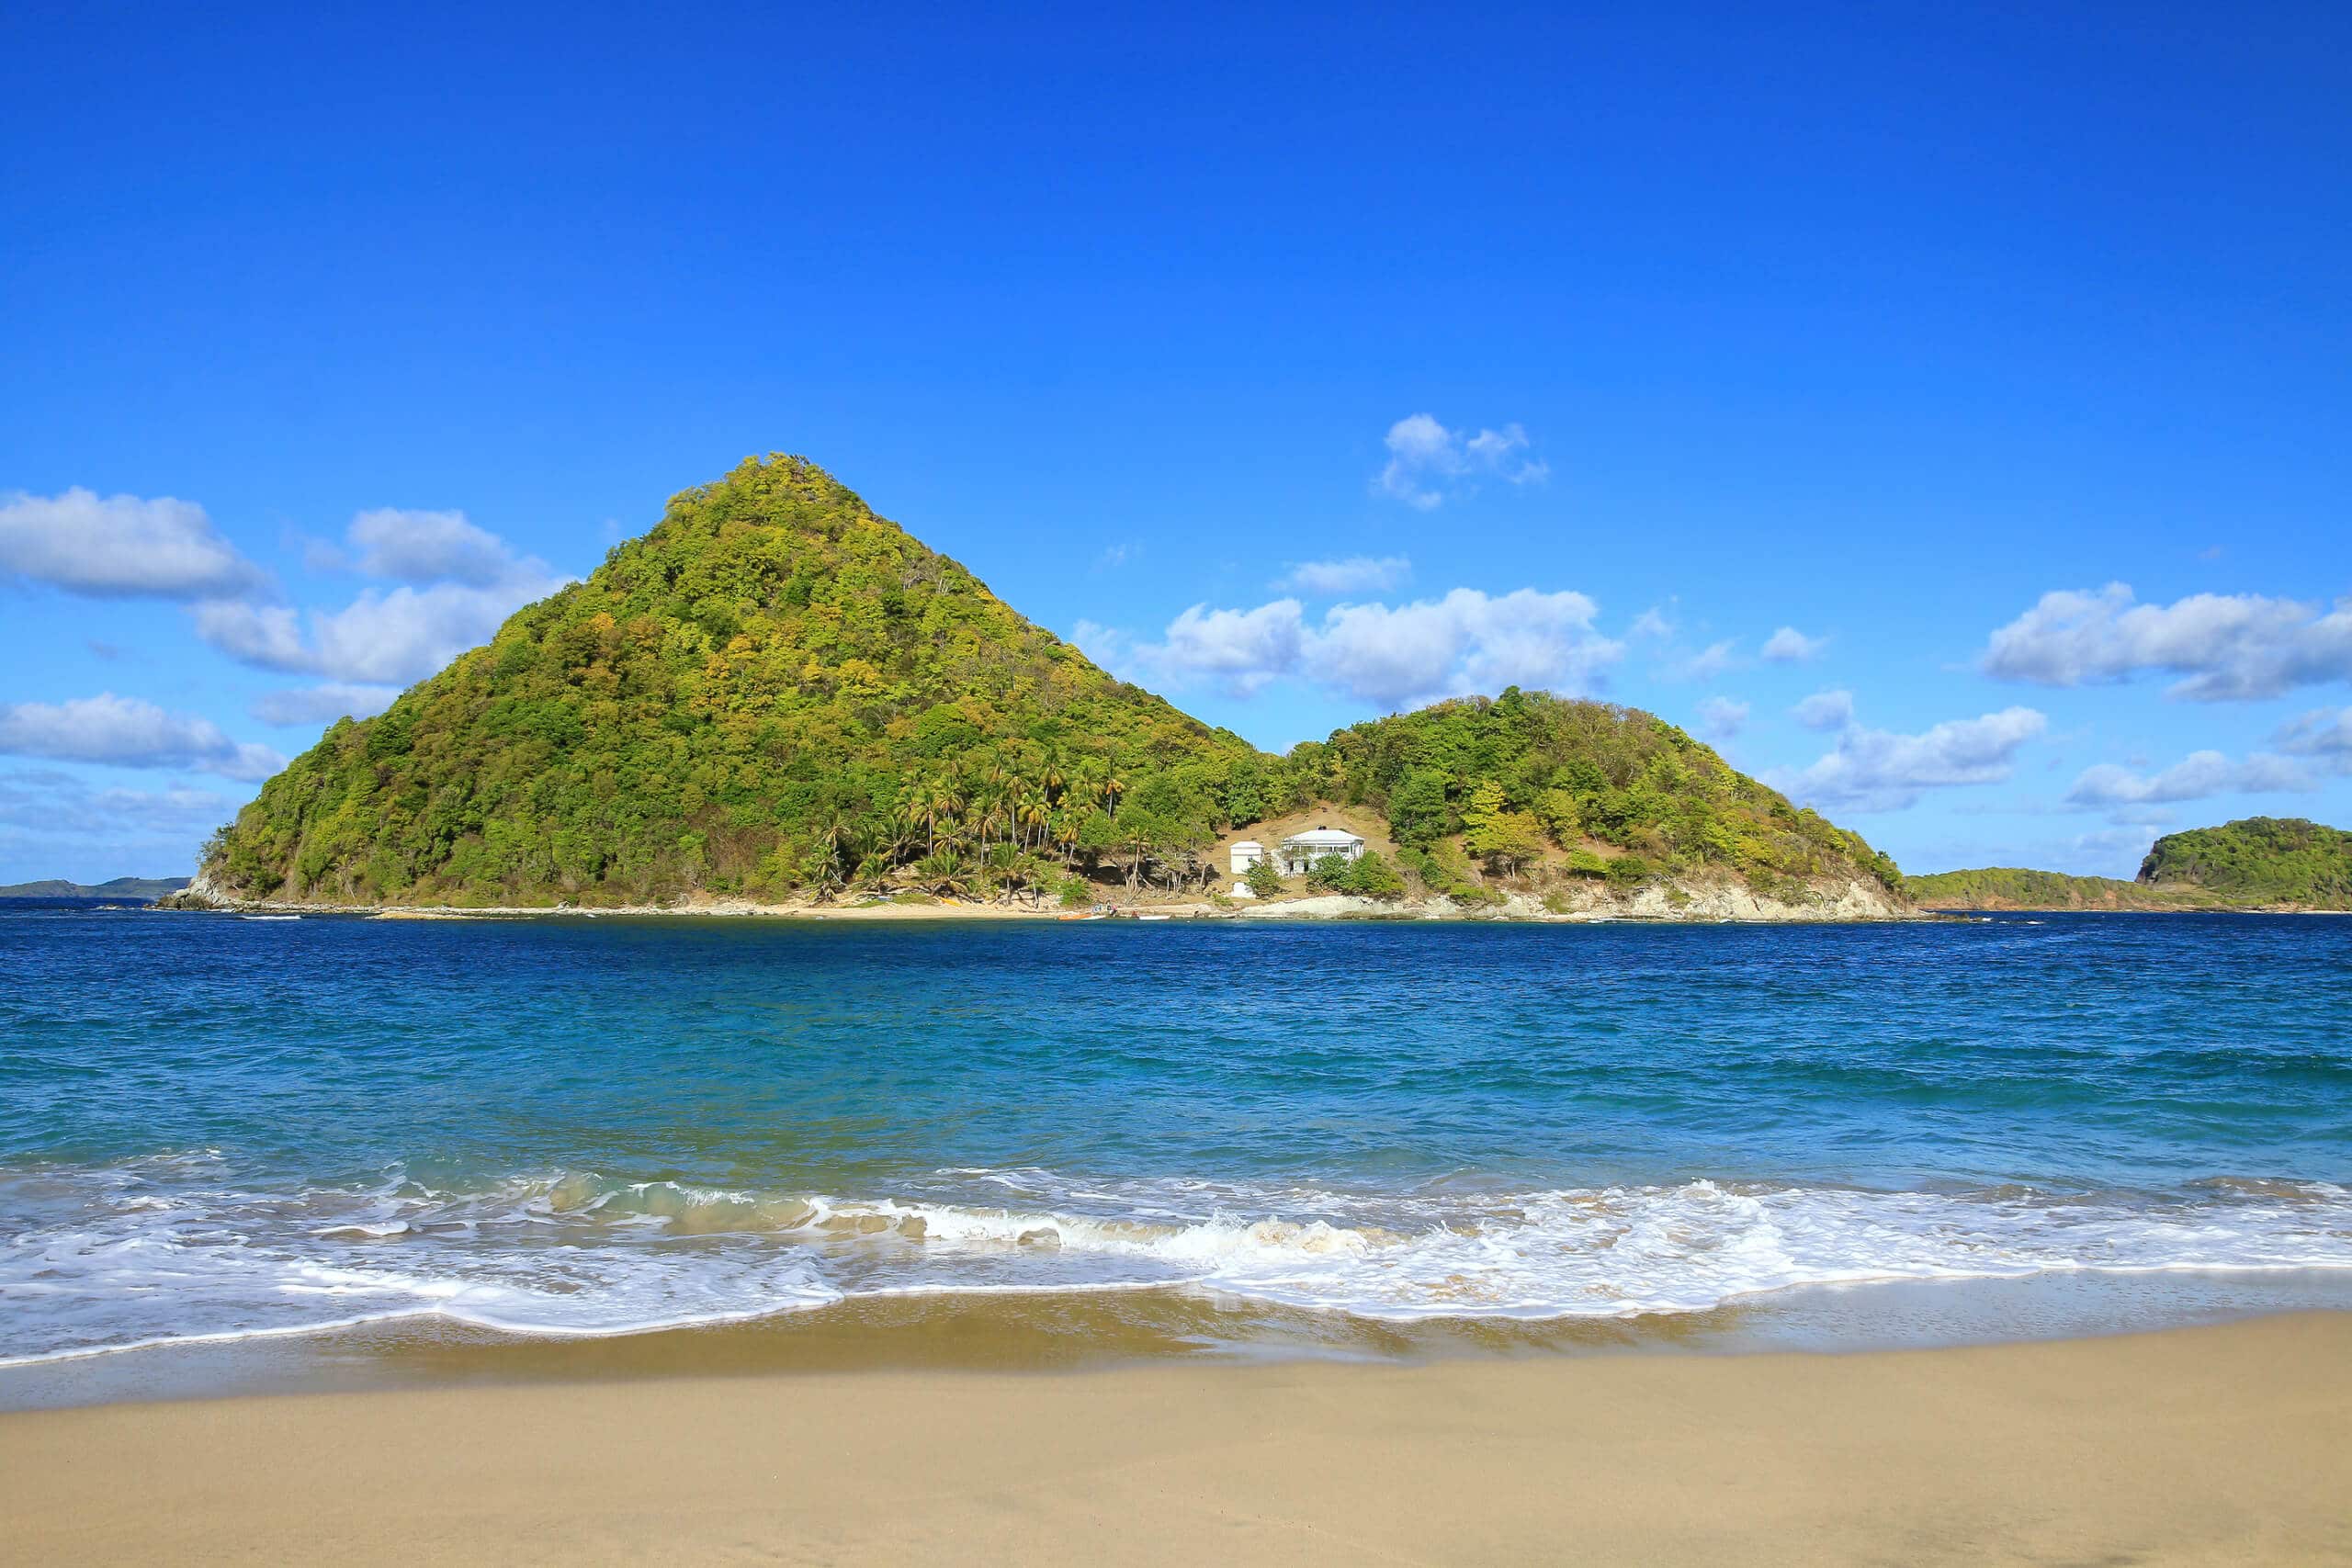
{"x": 212, "y": 1126}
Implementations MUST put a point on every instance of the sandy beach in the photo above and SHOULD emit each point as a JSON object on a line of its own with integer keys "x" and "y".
{"x": 2216, "y": 1444}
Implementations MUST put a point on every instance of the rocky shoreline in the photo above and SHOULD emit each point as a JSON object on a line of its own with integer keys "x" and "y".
{"x": 1835, "y": 903}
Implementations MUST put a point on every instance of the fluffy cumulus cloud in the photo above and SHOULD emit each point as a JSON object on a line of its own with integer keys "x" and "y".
{"x": 1427, "y": 462}
{"x": 120, "y": 547}
{"x": 1389, "y": 656}
{"x": 382, "y": 637}
{"x": 1878, "y": 770}
{"x": 1356, "y": 574}
{"x": 1238, "y": 649}
{"x": 2324, "y": 735}
{"x": 2224, "y": 648}
{"x": 431, "y": 546}
{"x": 1789, "y": 645}
{"x": 455, "y": 583}
{"x": 2197, "y": 777}
{"x": 1826, "y": 710}
{"x": 1719, "y": 718}
{"x": 322, "y": 704}
{"x": 129, "y": 733}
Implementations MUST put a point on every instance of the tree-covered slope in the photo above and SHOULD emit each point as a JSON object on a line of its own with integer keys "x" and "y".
{"x": 1530, "y": 780}
{"x": 2258, "y": 860}
{"x": 772, "y": 686}
{"x": 777, "y": 692}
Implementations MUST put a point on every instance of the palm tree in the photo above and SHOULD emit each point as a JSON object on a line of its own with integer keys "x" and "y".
{"x": 1114, "y": 785}
{"x": 991, "y": 812}
{"x": 941, "y": 802}
{"x": 944, "y": 871}
{"x": 1031, "y": 811}
{"x": 1085, "y": 783}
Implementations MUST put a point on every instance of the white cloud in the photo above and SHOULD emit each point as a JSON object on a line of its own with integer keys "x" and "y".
{"x": 382, "y": 638}
{"x": 1356, "y": 574}
{"x": 1466, "y": 642}
{"x": 2324, "y": 734}
{"x": 2199, "y": 775}
{"x": 1651, "y": 623}
{"x": 433, "y": 546}
{"x": 1241, "y": 650}
{"x": 129, "y": 733}
{"x": 1789, "y": 645}
{"x": 1390, "y": 656}
{"x": 1427, "y": 462}
{"x": 322, "y": 704}
{"x": 1723, "y": 717}
{"x": 1710, "y": 662}
{"x": 120, "y": 547}
{"x": 1832, "y": 709}
{"x": 1106, "y": 646}
{"x": 1877, "y": 770}
{"x": 1116, "y": 556}
{"x": 457, "y": 583}
{"x": 2227, "y": 647}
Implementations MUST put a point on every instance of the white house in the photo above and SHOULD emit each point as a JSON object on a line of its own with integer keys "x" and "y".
{"x": 1247, "y": 853}
{"x": 1301, "y": 850}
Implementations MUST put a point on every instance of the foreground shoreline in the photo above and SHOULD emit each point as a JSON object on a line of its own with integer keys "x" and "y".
{"x": 2208, "y": 1445}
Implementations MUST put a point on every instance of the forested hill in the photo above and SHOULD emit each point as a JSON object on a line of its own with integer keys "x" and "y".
{"x": 776, "y": 693}
{"x": 732, "y": 701}
{"x": 2258, "y": 860}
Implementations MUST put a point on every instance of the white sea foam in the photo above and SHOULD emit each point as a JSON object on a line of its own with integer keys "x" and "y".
{"x": 92, "y": 1260}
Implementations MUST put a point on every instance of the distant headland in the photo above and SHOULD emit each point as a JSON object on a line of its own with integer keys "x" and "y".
{"x": 2254, "y": 863}
{"x": 141, "y": 887}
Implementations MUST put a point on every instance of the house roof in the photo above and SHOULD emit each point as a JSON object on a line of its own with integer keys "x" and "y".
{"x": 1249, "y": 844}
{"x": 1324, "y": 835}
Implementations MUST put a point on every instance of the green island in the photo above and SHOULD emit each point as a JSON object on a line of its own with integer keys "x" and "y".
{"x": 777, "y": 696}
{"x": 2257, "y": 862}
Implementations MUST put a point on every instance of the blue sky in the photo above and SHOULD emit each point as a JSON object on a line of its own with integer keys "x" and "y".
{"x": 1299, "y": 367}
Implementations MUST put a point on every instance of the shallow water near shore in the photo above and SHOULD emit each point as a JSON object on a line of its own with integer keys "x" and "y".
{"x": 468, "y": 1138}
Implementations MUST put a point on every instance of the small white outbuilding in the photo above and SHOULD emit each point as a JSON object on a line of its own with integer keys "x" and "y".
{"x": 1247, "y": 853}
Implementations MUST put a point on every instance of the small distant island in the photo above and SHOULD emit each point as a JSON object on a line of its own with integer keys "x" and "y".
{"x": 146, "y": 889}
{"x": 2280, "y": 863}
{"x": 778, "y": 700}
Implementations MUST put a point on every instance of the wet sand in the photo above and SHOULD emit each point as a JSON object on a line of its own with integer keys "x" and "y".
{"x": 2228, "y": 1444}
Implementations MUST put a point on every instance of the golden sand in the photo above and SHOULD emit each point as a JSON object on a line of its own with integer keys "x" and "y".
{"x": 2225, "y": 1445}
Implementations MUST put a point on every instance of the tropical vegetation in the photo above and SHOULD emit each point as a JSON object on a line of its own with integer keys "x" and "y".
{"x": 777, "y": 693}
{"x": 2258, "y": 860}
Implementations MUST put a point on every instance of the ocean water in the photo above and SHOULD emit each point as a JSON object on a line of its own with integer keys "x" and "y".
{"x": 213, "y": 1127}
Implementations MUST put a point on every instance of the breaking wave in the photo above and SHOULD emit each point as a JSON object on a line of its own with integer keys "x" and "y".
{"x": 94, "y": 1259}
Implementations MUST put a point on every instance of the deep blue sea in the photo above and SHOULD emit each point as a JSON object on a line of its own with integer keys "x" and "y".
{"x": 215, "y": 1126}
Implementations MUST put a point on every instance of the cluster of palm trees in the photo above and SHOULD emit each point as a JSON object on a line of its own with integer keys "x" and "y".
{"x": 987, "y": 827}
